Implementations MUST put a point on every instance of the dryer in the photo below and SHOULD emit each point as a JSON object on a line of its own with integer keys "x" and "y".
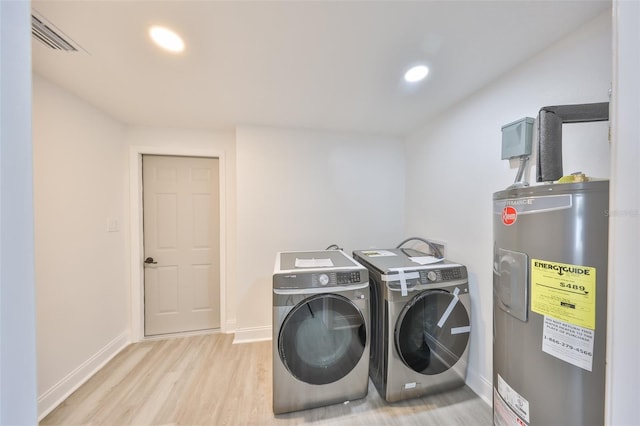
{"x": 420, "y": 316}
{"x": 320, "y": 330}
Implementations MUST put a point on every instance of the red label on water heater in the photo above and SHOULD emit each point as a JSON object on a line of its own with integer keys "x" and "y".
{"x": 509, "y": 215}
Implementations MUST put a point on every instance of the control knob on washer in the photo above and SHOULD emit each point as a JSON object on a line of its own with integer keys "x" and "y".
{"x": 323, "y": 279}
{"x": 432, "y": 276}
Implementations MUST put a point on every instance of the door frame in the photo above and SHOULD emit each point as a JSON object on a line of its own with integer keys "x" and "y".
{"x": 137, "y": 234}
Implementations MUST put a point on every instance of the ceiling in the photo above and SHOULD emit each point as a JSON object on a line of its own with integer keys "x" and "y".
{"x": 326, "y": 65}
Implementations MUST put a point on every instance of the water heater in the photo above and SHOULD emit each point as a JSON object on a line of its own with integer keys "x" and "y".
{"x": 550, "y": 289}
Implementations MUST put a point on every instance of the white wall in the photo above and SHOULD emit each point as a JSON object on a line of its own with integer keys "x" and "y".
{"x": 454, "y": 165}
{"x": 306, "y": 190}
{"x": 167, "y": 141}
{"x": 623, "y": 371}
{"x": 81, "y": 273}
{"x": 17, "y": 298}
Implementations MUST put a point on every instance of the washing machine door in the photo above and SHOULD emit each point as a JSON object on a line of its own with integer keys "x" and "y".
{"x": 432, "y": 332}
{"x": 322, "y": 339}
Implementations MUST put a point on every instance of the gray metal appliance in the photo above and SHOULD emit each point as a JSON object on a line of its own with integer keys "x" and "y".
{"x": 320, "y": 330}
{"x": 420, "y": 323}
{"x": 550, "y": 290}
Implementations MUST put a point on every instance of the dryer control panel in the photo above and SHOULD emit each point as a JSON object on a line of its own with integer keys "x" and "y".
{"x": 317, "y": 269}
{"x": 330, "y": 279}
{"x": 352, "y": 277}
{"x": 320, "y": 279}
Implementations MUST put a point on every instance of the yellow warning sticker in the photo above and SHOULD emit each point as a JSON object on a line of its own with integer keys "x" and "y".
{"x": 565, "y": 292}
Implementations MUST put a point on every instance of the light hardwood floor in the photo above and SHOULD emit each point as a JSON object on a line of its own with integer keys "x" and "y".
{"x": 207, "y": 380}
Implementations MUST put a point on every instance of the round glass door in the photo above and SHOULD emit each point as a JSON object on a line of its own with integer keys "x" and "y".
{"x": 432, "y": 332}
{"x": 322, "y": 339}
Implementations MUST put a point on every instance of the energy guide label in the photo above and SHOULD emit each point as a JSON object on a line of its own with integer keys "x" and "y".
{"x": 564, "y": 291}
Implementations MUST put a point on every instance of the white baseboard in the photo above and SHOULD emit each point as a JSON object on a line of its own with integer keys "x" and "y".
{"x": 481, "y": 386}
{"x": 54, "y": 396}
{"x": 253, "y": 334}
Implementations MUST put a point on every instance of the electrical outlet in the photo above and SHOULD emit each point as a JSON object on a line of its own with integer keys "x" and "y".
{"x": 113, "y": 225}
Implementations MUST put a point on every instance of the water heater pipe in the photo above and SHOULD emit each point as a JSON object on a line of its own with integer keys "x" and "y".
{"x": 550, "y": 121}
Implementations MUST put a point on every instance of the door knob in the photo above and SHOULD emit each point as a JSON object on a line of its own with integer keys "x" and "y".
{"x": 150, "y": 261}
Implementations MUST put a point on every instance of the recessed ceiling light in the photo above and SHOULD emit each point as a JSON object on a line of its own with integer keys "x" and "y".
{"x": 416, "y": 73}
{"x": 167, "y": 39}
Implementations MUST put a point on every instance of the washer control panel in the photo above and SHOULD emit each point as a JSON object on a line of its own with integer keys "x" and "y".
{"x": 443, "y": 274}
{"x": 426, "y": 277}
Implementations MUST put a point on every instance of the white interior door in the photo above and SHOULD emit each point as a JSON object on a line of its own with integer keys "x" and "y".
{"x": 181, "y": 244}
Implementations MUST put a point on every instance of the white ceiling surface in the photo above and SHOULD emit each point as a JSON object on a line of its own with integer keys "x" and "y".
{"x": 332, "y": 65}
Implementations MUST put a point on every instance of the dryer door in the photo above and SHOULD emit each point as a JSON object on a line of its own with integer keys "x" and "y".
{"x": 432, "y": 332}
{"x": 322, "y": 339}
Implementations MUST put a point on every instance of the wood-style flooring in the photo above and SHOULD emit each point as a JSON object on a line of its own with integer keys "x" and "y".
{"x": 207, "y": 380}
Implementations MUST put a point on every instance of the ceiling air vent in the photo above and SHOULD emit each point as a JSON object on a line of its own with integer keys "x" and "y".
{"x": 45, "y": 32}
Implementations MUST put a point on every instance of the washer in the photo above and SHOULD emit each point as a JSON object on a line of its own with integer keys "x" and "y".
{"x": 420, "y": 323}
{"x": 320, "y": 330}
